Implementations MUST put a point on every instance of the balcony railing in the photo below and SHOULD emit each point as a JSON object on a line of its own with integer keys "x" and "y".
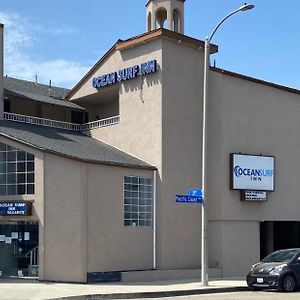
{"x": 100, "y": 123}
{"x": 59, "y": 124}
{"x": 41, "y": 121}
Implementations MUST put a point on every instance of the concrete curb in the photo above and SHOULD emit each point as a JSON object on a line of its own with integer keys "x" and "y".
{"x": 159, "y": 294}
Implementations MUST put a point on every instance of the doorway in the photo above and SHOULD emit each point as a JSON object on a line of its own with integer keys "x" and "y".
{"x": 19, "y": 249}
{"x": 278, "y": 235}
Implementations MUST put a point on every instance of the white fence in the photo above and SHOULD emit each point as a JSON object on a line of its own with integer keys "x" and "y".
{"x": 63, "y": 125}
{"x": 100, "y": 123}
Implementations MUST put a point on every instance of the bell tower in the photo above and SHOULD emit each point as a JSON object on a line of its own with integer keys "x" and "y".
{"x": 167, "y": 14}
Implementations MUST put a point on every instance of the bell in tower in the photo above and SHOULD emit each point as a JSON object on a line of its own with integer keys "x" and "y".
{"x": 167, "y": 14}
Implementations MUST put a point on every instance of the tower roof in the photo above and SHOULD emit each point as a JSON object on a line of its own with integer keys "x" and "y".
{"x": 154, "y": 0}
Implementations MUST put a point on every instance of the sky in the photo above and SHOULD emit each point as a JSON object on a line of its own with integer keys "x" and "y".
{"x": 60, "y": 40}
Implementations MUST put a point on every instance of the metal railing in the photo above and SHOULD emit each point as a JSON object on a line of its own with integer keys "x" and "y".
{"x": 59, "y": 124}
{"x": 33, "y": 256}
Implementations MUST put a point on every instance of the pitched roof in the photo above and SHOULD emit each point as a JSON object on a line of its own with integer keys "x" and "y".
{"x": 35, "y": 88}
{"x": 37, "y": 92}
{"x": 69, "y": 143}
{"x": 121, "y": 45}
{"x": 256, "y": 80}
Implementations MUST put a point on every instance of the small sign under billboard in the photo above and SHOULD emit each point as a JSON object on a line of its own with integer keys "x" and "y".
{"x": 252, "y": 172}
{"x": 254, "y": 196}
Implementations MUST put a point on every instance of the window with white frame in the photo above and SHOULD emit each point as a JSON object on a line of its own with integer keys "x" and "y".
{"x": 16, "y": 171}
{"x": 138, "y": 201}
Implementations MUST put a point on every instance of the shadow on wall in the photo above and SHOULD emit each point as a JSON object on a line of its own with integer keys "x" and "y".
{"x": 141, "y": 82}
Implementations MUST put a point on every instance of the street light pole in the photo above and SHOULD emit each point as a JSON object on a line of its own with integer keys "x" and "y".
{"x": 204, "y": 254}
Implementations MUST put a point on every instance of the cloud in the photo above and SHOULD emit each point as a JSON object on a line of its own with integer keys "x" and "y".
{"x": 59, "y": 31}
{"x": 19, "y": 38}
{"x": 16, "y": 37}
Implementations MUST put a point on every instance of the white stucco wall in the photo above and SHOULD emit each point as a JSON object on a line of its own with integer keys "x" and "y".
{"x": 65, "y": 231}
{"x": 84, "y": 230}
{"x": 162, "y": 124}
{"x": 111, "y": 245}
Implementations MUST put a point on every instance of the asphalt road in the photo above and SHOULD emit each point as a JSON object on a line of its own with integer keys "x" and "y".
{"x": 261, "y": 295}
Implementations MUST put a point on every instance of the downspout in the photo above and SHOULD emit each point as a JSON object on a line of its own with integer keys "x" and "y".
{"x": 154, "y": 251}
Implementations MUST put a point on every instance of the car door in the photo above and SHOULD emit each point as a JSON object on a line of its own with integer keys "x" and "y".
{"x": 295, "y": 268}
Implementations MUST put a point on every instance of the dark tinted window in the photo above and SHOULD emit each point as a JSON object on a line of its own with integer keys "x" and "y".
{"x": 16, "y": 171}
{"x": 281, "y": 256}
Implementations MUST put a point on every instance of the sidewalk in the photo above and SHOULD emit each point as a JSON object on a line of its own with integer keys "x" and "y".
{"x": 18, "y": 289}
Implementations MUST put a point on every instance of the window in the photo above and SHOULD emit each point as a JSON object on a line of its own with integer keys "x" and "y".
{"x": 16, "y": 171}
{"x": 149, "y": 21}
{"x": 177, "y": 20}
{"x": 138, "y": 203}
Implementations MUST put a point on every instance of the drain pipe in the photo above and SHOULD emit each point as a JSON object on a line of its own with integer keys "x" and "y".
{"x": 154, "y": 218}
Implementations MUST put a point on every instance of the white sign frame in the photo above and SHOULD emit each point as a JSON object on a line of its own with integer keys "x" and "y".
{"x": 252, "y": 172}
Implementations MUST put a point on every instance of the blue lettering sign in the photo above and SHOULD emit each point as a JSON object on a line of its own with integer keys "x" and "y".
{"x": 149, "y": 67}
{"x": 189, "y": 199}
{"x": 238, "y": 172}
{"x": 136, "y": 71}
{"x": 14, "y": 209}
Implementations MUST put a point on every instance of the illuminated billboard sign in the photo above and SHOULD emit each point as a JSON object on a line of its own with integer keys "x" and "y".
{"x": 252, "y": 172}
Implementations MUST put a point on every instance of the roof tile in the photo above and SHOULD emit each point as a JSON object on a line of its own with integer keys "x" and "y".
{"x": 69, "y": 143}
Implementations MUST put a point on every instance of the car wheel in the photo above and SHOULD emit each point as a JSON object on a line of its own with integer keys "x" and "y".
{"x": 288, "y": 283}
{"x": 251, "y": 287}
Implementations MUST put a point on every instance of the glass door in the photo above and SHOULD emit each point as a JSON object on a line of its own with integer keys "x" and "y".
{"x": 19, "y": 249}
{"x": 8, "y": 250}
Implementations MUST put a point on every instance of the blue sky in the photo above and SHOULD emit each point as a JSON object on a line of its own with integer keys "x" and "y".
{"x": 61, "y": 39}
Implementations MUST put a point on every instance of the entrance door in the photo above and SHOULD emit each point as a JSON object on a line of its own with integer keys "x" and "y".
{"x": 18, "y": 249}
{"x": 8, "y": 250}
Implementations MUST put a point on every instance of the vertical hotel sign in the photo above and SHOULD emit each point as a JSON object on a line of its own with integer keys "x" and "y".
{"x": 252, "y": 172}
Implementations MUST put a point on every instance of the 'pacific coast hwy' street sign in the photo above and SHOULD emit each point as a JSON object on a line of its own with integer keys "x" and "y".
{"x": 189, "y": 199}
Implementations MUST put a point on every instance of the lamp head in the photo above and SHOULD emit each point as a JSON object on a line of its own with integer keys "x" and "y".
{"x": 246, "y": 7}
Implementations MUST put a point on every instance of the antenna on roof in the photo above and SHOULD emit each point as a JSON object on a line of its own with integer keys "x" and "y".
{"x": 36, "y": 79}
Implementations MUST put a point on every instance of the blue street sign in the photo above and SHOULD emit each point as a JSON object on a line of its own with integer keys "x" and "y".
{"x": 196, "y": 192}
{"x": 189, "y": 199}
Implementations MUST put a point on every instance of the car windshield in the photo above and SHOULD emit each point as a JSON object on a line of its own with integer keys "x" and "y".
{"x": 280, "y": 256}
